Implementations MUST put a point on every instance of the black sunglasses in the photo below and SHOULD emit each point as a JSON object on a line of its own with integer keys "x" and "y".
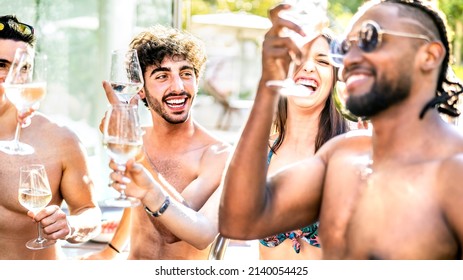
{"x": 20, "y": 27}
{"x": 369, "y": 38}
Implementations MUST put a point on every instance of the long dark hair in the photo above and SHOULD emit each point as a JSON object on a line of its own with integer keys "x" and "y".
{"x": 331, "y": 122}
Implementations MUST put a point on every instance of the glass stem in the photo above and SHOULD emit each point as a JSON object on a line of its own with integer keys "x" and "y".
{"x": 16, "y": 136}
{"x": 123, "y": 195}
{"x": 40, "y": 239}
{"x": 291, "y": 68}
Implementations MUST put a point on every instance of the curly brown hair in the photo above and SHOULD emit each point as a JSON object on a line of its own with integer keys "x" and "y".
{"x": 157, "y": 42}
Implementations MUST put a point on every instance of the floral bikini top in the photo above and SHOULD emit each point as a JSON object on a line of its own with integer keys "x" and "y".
{"x": 309, "y": 233}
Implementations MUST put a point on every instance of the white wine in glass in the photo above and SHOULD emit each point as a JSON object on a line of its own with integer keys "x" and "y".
{"x": 123, "y": 139}
{"x": 25, "y": 86}
{"x": 34, "y": 194}
{"x": 126, "y": 77}
{"x": 310, "y": 15}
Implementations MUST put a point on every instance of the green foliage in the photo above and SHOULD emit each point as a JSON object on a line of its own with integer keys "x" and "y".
{"x": 453, "y": 9}
{"x": 458, "y": 69}
{"x": 257, "y": 7}
{"x": 340, "y": 7}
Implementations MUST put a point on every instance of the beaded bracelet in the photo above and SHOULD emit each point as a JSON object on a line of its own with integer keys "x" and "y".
{"x": 161, "y": 210}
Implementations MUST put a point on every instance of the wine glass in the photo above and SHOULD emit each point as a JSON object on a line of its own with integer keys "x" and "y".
{"x": 25, "y": 86}
{"x": 310, "y": 15}
{"x": 123, "y": 139}
{"x": 126, "y": 77}
{"x": 34, "y": 194}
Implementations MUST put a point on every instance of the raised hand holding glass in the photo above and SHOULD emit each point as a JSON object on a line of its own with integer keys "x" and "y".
{"x": 25, "y": 86}
{"x": 126, "y": 77}
{"x": 123, "y": 139}
{"x": 311, "y": 17}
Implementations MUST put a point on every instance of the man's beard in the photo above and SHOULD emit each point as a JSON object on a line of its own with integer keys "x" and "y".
{"x": 156, "y": 107}
{"x": 382, "y": 96}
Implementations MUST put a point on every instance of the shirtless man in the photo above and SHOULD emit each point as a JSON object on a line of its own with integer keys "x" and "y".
{"x": 394, "y": 194}
{"x": 181, "y": 160}
{"x": 66, "y": 167}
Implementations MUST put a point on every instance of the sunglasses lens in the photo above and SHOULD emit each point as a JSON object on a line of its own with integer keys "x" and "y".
{"x": 18, "y": 26}
{"x": 337, "y": 52}
{"x": 368, "y": 38}
{"x": 24, "y": 29}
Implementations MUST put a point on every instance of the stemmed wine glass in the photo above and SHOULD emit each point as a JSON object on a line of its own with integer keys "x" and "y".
{"x": 126, "y": 77}
{"x": 123, "y": 139}
{"x": 25, "y": 86}
{"x": 34, "y": 194}
{"x": 310, "y": 15}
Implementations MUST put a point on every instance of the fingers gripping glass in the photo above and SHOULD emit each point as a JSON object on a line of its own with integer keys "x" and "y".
{"x": 311, "y": 17}
{"x": 368, "y": 39}
{"x": 34, "y": 194}
{"x": 23, "y": 28}
{"x": 123, "y": 139}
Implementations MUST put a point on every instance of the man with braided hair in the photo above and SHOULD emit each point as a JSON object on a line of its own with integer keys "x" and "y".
{"x": 392, "y": 193}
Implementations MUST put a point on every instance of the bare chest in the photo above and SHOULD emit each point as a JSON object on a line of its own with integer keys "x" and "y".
{"x": 177, "y": 169}
{"x": 390, "y": 214}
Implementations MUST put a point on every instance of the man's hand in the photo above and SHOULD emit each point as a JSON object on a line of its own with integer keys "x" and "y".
{"x": 53, "y": 221}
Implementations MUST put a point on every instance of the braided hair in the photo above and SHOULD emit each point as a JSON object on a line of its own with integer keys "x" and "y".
{"x": 448, "y": 85}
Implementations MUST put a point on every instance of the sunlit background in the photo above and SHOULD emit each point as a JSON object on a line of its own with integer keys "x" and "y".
{"x": 78, "y": 37}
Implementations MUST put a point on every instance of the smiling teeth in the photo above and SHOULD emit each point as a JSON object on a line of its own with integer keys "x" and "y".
{"x": 355, "y": 77}
{"x": 175, "y": 101}
{"x": 304, "y": 82}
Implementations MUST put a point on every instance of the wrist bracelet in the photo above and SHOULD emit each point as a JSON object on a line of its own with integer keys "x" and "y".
{"x": 161, "y": 210}
{"x": 112, "y": 247}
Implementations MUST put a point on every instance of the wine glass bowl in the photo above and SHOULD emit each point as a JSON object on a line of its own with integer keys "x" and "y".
{"x": 34, "y": 194}
{"x": 311, "y": 17}
{"x": 126, "y": 77}
{"x": 25, "y": 86}
{"x": 123, "y": 139}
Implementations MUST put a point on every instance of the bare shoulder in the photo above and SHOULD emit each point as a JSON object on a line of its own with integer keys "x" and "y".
{"x": 214, "y": 145}
{"x": 451, "y": 152}
{"x": 354, "y": 140}
{"x": 449, "y": 159}
{"x": 50, "y": 126}
{"x": 451, "y": 169}
{"x": 55, "y": 134}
